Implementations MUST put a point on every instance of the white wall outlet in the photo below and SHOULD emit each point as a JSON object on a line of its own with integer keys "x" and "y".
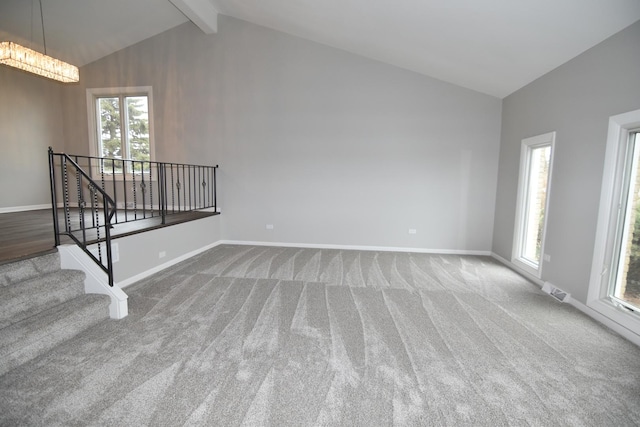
{"x": 413, "y": 231}
{"x": 547, "y": 257}
{"x": 269, "y": 226}
{"x": 162, "y": 254}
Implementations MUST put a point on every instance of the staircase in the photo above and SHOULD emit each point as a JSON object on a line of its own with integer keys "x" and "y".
{"x": 42, "y": 306}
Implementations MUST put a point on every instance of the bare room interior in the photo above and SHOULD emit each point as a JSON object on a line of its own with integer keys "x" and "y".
{"x": 253, "y": 213}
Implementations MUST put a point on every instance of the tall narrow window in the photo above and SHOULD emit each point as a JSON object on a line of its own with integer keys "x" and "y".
{"x": 614, "y": 288}
{"x": 624, "y": 286}
{"x": 533, "y": 190}
{"x": 120, "y": 123}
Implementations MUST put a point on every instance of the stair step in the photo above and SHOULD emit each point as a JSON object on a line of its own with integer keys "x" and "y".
{"x": 21, "y": 300}
{"x": 35, "y": 335}
{"x": 29, "y": 268}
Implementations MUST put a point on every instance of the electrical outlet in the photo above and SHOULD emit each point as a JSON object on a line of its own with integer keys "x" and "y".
{"x": 162, "y": 254}
{"x": 413, "y": 231}
{"x": 269, "y": 226}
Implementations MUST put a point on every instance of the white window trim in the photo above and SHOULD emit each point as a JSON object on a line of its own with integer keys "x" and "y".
{"x": 528, "y": 144}
{"x": 597, "y": 299}
{"x": 92, "y": 115}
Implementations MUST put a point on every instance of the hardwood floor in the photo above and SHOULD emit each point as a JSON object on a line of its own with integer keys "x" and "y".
{"x": 30, "y": 233}
{"x": 25, "y": 234}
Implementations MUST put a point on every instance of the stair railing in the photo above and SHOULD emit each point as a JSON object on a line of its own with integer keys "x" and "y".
{"x": 98, "y": 193}
{"x": 90, "y": 199}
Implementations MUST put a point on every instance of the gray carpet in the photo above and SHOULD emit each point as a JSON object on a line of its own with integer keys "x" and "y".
{"x": 243, "y": 335}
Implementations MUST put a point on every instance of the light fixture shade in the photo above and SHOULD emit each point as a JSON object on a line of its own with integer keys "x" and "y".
{"x": 17, "y": 56}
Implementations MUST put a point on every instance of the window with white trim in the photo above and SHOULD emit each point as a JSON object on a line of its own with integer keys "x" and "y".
{"x": 614, "y": 288}
{"x": 533, "y": 197}
{"x": 120, "y": 124}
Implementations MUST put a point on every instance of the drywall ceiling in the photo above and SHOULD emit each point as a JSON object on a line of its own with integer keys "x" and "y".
{"x": 82, "y": 31}
{"x": 492, "y": 46}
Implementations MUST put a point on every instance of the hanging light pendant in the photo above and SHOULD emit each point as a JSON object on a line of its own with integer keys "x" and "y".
{"x": 15, "y": 55}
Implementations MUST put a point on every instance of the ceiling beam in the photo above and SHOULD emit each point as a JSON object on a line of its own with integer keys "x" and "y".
{"x": 200, "y": 12}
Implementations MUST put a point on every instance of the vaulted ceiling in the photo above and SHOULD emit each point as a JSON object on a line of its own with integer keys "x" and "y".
{"x": 492, "y": 46}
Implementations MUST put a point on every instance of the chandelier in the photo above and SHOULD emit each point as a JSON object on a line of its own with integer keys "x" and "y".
{"x": 15, "y": 55}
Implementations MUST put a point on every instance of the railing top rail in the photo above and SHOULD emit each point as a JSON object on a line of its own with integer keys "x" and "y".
{"x": 132, "y": 160}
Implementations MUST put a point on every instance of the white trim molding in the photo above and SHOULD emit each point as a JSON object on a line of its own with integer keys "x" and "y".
{"x": 518, "y": 270}
{"x": 92, "y": 113}
{"x": 598, "y": 300}
{"x": 527, "y": 145}
{"x": 133, "y": 279}
{"x": 357, "y": 247}
{"x": 589, "y": 311}
{"x": 24, "y": 208}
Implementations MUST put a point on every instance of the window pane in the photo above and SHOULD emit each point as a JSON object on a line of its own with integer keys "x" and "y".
{"x": 536, "y": 203}
{"x": 138, "y": 128}
{"x": 627, "y": 284}
{"x": 110, "y": 131}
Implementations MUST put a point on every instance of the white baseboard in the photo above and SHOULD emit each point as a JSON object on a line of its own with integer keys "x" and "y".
{"x": 133, "y": 279}
{"x": 24, "y": 208}
{"x": 357, "y": 247}
{"x": 630, "y": 335}
{"x": 626, "y": 333}
{"x": 518, "y": 270}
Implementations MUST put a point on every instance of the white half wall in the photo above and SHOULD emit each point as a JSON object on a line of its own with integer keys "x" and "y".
{"x": 141, "y": 255}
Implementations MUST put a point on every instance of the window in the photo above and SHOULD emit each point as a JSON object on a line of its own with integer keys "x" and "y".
{"x": 120, "y": 125}
{"x": 531, "y": 213}
{"x": 614, "y": 288}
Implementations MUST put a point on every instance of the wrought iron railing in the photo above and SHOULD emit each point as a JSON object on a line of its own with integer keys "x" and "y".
{"x": 94, "y": 194}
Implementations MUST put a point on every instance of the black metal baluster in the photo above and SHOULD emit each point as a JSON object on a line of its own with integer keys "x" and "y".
{"x": 207, "y": 199}
{"x": 65, "y": 194}
{"x": 184, "y": 191}
{"x": 173, "y": 200}
{"x": 164, "y": 183}
{"x": 135, "y": 200}
{"x": 107, "y": 236}
{"x": 143, "y": 189}
{"x": 102, "y": 173}
{"x": 114, "y": 184}
{"x": 178, "y": 185}
{"x": 204, "y": 190}
{"x": 190, "y": 188}
{"x": 124, "y": 190}
{"x": 215, "y": 190}
{"x": 151, "y": 188}
{"x": 54, "y": 197}
{"x": 81, "y": 204}
{"x": 94, "y": 207}
{"x": 162, "y": 190}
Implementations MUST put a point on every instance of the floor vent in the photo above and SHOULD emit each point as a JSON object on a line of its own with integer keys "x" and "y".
{"x": 557, "y": 293}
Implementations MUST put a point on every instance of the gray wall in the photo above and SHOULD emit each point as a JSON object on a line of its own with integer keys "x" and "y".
{"x": 139, "y": 253}
{"x": 575, "y": 100}
{"x": 329, "y": 147}
{"x": 30, "y": 121}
